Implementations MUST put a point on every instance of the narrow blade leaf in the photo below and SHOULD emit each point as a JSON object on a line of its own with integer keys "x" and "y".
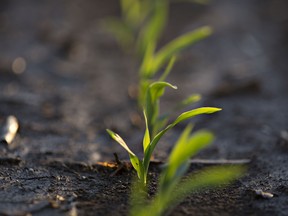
{"x": 178, "y": 44}
{"x": 152, "y": 146}
{"x": 211, "y": 177}
{"x": 168, "y": 68}
{"x": 191, "y": 99}
{"x": 131, "y": 10}
{"x": 182, "y": 117}
{"x": 186, "y": 147}
{"x": 148, "y": 59}
{"x": 157, "y": 89}
{"x": 180, "y": 146}
{"x": 154, "y": 92}
{"x": 189, "y": 146}
{"x": 146, "y": 139}
{"x": 154, "y": 26}
{"x": 195, "y": 112}
{"x": 136, "y": 163}
{"x": 118, "y": 139}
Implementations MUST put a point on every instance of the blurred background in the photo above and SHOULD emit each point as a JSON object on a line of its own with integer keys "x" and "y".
{"x": 65, "y": 78}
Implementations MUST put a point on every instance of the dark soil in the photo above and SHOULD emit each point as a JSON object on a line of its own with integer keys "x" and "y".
{"x": 75, "y": 85}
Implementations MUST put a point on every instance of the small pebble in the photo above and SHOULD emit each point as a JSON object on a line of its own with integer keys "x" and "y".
{"x": 263, "y": 194}
{"x": 10, "y": 129}
{"x": 19, "y": 65}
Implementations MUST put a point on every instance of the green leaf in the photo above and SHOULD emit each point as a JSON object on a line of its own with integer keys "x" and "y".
{"x": 138, "y": 197}
{"x": 147, "y": 62}
{"x": 160, "y": 123}
{"x": 168, "y": 178}
{"x": 157, "y": 89}
{"x": 212, "y": 177}
{"x": 195, "y": 112}
{"x": 146, "y": 139}
{"x": 178, "y": 44}
{"x": 191, "y": 99}
{"x": 136, "y": 163}
{"x": 182, "y": 117}
{"x": 152, "y": 146}
{"x": 131, "y": 12}
{"x": 118, "y": 139}
{"x": 143, "y": 86}
{"x": 186, "y": 147}
{"x": 217, "y": 176}
{"x": 125, "y": 5}
{"x": 120, "y": 30}
{"x": 168, "y": 68}
{"x": 180, "y": 147}
{"x": 154, "y": 92}
{"x": 188, "y": 101}
{"x": 154, "y": 25}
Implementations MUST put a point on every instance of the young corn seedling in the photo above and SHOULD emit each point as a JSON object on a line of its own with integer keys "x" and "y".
{"x": 153, "y": 61}
{"x": 151, "y": 135}
{"x": 140, "y": 21}
{"x": 141, "y": 25}
{"x": 173, "y": 188}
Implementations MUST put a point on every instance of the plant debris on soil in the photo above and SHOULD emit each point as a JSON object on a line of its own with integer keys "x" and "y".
{"x": 64, "y": 79}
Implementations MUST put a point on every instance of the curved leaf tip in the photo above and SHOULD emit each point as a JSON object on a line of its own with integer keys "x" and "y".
{"x": 195, "y": 112}
{"x": 161, "y": 84}
{"x": 206, "y": 30}
{"x": 118, "y": 139}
